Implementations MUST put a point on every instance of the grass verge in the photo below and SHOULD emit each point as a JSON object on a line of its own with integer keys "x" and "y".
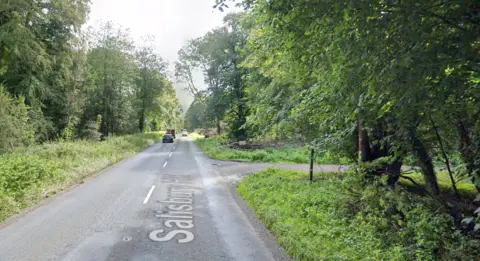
{"x": 336, "y": 218}
{"x": 465, "y": 187}
{"x": 214, "y": 148}
{"x": 195, "y": 135}
{"x": 28, "y": 175}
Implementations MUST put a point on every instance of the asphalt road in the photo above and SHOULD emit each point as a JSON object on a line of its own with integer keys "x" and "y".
{"x": 166, "y": 203}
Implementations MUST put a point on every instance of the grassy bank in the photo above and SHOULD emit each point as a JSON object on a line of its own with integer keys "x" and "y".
{"x": 28, "y": 175}
{"x": 336, "y": 219}
{"x": 465, "y": 187}
{"x": 214, "y": 148}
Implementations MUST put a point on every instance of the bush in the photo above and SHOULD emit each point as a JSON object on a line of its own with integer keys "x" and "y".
{"x": 15, "y": 129}
{"x": 337, "y": 218}
{"x": 258, "y": 155}
{"x": 29, "y": 174}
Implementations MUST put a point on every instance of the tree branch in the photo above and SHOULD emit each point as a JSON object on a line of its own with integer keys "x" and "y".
{"x": 445, "y": 157}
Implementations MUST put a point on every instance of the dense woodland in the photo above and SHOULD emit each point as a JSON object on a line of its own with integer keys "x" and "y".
{"x": 386, "y": 83}
{"x": 61, "y": 80}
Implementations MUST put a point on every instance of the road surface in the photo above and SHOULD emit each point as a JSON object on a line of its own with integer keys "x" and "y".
{"x": 166, "y": 203}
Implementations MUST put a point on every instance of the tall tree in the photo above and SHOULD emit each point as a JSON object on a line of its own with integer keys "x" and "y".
{"x": 150, "y": 80}
{"x": 219, "y": 54}
{"x": 112, "y": 72}
{"x": 37, "y": 49}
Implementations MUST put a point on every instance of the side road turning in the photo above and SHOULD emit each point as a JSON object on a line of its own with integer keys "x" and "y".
{"x": 165, "y": 203}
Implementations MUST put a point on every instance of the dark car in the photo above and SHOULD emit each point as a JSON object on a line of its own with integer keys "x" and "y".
{"x": 168, "y": 138}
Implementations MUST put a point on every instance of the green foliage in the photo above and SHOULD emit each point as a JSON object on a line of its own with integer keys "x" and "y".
{"x": 37, "y": 54}
{"x": 28, "y": 175}
{"x": 218, "y": 54}
{"x": 149, "y": 83}
{"x": 15, "y": 128}
{"x": 337, "y": 218}
{"x": 129, "y": 91}
{"x": 67, "y": 77}
{"x": 194, "y": 118}
{"x": 167, "y": 110}
{"x": 368, "y": 79}
{"x": 112, "y": 71}
{"x": 68, "y": 132}
{"x": 215, "y": 148}
{"x": 466, "y": 188}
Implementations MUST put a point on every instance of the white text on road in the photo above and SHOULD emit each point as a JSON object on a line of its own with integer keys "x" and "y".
{"x": 177, "y": 210}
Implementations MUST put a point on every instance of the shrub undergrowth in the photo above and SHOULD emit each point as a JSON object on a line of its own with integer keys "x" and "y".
{"x": 30, "y": 174}
{"x": 337, "y": 218}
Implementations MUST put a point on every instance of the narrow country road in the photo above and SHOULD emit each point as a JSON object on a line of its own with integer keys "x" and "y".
{"x": 168, "y": 202}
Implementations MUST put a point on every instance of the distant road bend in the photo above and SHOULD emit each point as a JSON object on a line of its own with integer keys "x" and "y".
{"x": 165, "y": 203}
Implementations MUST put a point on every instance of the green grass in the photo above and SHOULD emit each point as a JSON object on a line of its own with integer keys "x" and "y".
{"x": 465, "y": 187}
{"x": 30, "y": 174}
{"x": 213, "y": 148}
{"x": 335, "y": 218}
{"x": 195, "y": 135}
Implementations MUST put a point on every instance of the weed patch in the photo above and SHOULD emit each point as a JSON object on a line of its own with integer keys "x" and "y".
{"x": 30, "y": 174}
{"x": 335, "y": 218}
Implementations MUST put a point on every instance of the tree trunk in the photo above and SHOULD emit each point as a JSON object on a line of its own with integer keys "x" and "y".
{"x": 113, "y": 109}
{"x": 2, "y": 53}
{"x": 425, "y": 164}
{"x": 466, "y": 151}
{"x": 219, "y": 128}
{"x": 393, "y": 170}
{"x": 363, "y": 143}
{"x": 103, "y": 125}
{"x": 141, "y": 120}
{"x": 238, "y": 89}
{"x": 445, "y": 158}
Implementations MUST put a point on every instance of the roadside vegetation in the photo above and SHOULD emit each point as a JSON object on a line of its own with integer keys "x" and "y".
{"x": 58, "y": 81}
{"x": 195, "y": 135}
{"x": 388, "y": 85}
{"x": 383, "y": 84}
{"x": 338, "y": 218}
{"x": 72, "y": 98}
{"x": 216, "y": 147}
{"x": 465, "y": 188}
{"x": 28, "y": 175}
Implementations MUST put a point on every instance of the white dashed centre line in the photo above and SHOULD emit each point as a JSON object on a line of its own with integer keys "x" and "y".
{"x": 164, "y": 165}
{"x": 149, "y": 194}
{"x": 170, "y": 154}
